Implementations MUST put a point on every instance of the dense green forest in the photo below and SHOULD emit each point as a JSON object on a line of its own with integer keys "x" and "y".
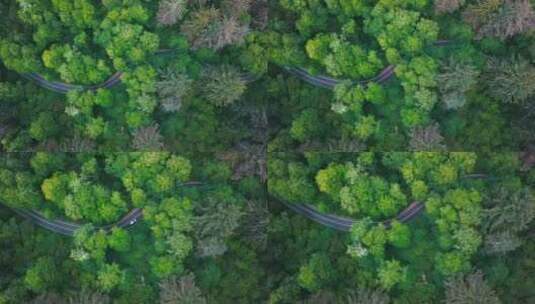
{"x": 267, "y": 151}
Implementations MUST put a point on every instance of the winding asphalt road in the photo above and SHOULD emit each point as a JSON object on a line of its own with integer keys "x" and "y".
{"x": 328, "y": 220}
{"x": 69, "y": 228}
{"x": 333, "y": 221}
{"x": 318, "y": 80}
{"x": 336, "y": 222}
{"x": 329, "y": 83}
{"x": 343, "y": 223}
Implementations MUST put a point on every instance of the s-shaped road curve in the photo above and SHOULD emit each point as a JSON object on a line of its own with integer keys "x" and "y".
{"x": 318, "y": 80}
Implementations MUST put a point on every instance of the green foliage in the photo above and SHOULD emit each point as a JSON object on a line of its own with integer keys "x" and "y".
{"x": 109, "y": 277}
{"x": 391, "y": 273}
{"x": 228, "y": 139}
{"x": 316, "y": 273}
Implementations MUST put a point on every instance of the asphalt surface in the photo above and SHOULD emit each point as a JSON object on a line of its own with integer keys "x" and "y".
{"x": 329, "y": 83}
{"x": 336, "y": 222}
{"x": 341, "y": 223}
{"x": 65, "y": 88}
{"x": 328, "y": 220}
{"x": 317, "y": 80}
{"x": 69, "y": 228}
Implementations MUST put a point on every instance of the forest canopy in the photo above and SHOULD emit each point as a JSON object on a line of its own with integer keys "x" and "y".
{"x": 255, "y": 151}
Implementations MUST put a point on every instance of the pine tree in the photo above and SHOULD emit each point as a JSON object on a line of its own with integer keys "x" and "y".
{"x": 223, "y": 85}
{"x": 453, "y": 81}
{"x": 511, "y": 81}
{"x": 470, "y": 290}
{"x": 172, "y": 90}
{"x": 255, "y": 225}
{"x": 216, "y": 222}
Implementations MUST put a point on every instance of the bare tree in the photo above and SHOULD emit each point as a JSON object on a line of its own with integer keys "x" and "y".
{"x": 89, "y": 297}
{"x": 512, "y": 18}
{"x": 181, "y": 290}
{"x": 367, "y": 296}
{"x": 447, "y": 6}
{"x": 454, "y": 80}
{"x": 77, "y": 144}
{"x": 48, "y": 298}
{"x": 148, "y": 139}
{"x": 171, "y": 11}
{"x": 427, "y": 138}
{"x": 500, "y": 18}
{"x": 322, "y": 297}
{"x": 471, "y": 289}
{"x": 172, "y": 90}
{"x": 247, "y": 160}
{"x": 208, "y": 27}
{"x": 259, "y": 11}
{"x": 481, "y": 12}
{"x": 501, "y": 243}
{"x": 236, "y": 8}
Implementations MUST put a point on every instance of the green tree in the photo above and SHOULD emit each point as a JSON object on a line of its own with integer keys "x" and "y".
{"x": 42, "y": 275}
{"x": 392, "y": 273}
{"x": 316, "y": 273}
{"x": 119, "y": 239}
{"x": 109, "y": 277}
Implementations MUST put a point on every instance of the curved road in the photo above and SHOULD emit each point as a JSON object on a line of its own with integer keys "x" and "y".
{"x": 69, "y": 228}
{"x": 329, "y": 83}
{"x": 329, "y": 220}
{"x": 319, "y": 80}
{"x": 339, "y": 223}
{"x": 343, "y": 223}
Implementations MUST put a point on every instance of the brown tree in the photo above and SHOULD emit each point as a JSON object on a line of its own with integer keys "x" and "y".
{"x": 180, "y": 290}
{"x": 171, "y": 11}
{"x": 208, "y": 27}
{"x": 367, "y": 296}
{"x": 148, "y": 139}
{"x": 447, "y": 6}
{"x": 426, "y": 138}
{"x": 172, "y": 89}
{"x": 500, "y": 18}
